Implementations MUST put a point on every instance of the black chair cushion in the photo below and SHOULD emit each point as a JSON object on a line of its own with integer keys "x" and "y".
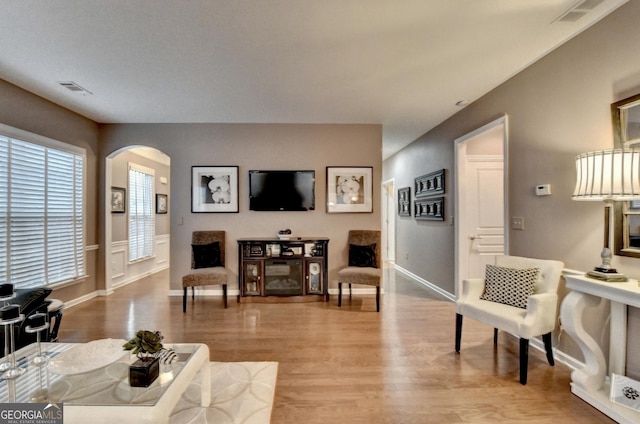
{"x": 363, "y": 256}
{"x": 206, "y": 255}
{"x": 30, "y": 299}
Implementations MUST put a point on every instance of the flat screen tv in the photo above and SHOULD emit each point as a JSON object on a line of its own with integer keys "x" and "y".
{"x": 282, "y": 190}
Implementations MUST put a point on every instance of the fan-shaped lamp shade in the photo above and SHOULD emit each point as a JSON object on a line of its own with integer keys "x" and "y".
{"x": 612, "y": 174}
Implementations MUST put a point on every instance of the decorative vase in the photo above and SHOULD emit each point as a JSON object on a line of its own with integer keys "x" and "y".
{"x": 144, "y": 371}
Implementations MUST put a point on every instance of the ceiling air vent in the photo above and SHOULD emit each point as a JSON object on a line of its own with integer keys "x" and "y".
{"x": 572, "y": 16}
{"x": 578, "y": 11}
{"x": 588, "y": 4}
{"x": 72, "y": 86}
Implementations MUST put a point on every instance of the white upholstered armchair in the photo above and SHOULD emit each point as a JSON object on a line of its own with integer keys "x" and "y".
{"x": 505, "y": 304}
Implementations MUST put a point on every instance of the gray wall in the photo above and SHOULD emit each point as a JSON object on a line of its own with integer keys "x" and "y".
{"x": 28, "y": 112}
{"x": 425, "y": 247}
{"x": 257, "y": 146}
{"x": 557, "y": 108}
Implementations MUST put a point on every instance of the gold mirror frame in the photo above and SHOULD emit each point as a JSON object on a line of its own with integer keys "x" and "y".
{"x": 626, "y": 133}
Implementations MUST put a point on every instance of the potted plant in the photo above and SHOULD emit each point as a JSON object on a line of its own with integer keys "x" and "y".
{"x": 146, "y": 345}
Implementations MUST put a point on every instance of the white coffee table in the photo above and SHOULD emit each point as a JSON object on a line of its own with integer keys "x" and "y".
{"x": 104, "y": 395}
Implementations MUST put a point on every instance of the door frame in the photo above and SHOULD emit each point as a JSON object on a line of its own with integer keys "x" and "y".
{"x": 460, "y": 150}
{"x": 108, "y": 223}
{"x": 388, "y": 220}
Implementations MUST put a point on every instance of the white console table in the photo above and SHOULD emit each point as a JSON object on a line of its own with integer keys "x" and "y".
{"x": 591, "y": 383}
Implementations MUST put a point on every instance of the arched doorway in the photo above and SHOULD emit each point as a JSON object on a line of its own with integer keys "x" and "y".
{"x": 120, "y": 268}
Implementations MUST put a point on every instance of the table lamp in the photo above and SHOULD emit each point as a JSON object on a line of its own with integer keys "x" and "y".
{"x": 608, "y": 175}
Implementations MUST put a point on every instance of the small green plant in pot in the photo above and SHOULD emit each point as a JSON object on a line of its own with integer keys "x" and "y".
{"x": 146, "y": 345}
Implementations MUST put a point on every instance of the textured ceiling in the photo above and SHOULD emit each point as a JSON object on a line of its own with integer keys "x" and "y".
{"x": 402, "y": 64}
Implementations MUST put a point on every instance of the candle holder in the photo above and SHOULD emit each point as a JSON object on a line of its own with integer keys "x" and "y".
{"x": 41, "y": 394}
{"x": 6, "y": 364}
{"x": 13, "y": 371}
{"x": 37, "y": 323}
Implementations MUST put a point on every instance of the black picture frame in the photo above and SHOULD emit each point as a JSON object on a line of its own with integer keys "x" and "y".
{"x": 162, "y": 203}
{"x": 118, "y": 200}
{"x": 429, "y": 209}
{"x": 430, "y": 184}
{"x": 404, "y": 201}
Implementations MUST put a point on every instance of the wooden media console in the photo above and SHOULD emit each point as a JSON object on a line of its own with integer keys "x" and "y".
{"x": 278, "y": 270}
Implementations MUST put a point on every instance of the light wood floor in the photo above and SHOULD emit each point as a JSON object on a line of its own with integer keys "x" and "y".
{"x": 351, "y": 364}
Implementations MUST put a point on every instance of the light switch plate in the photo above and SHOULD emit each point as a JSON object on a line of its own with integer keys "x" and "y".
{"x": 517, "y": 223}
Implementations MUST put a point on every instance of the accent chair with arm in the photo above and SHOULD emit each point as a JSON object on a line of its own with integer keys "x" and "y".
{"x": 207, "y": 264}
{"x": 365, "y": 266}
{"x": 520, "y": 296}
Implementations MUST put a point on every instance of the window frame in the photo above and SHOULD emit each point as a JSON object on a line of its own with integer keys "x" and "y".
{"x": 132, "y": 166}
{"x": 49, "y": 143}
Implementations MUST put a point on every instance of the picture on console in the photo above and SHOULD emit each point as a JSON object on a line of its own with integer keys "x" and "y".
{"x": 214, "y": 189}
{"x": 349, "y": 189}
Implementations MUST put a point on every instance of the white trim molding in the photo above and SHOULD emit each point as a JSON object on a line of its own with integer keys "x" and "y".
{"x": 429, "y": 285}
{"x": 124, "y": 272}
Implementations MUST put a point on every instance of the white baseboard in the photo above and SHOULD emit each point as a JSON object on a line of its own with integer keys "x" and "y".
{"x": 356, "y": 290}
{"x": 81, "y": 299}
{"x": 205, "y": 292}
{"x": 426, "y": 283}
{"x": 135, "y": 278}
{"x": 78, "y": 300}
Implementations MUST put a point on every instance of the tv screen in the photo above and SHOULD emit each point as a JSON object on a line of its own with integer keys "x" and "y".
{"x": 282, "y": 190}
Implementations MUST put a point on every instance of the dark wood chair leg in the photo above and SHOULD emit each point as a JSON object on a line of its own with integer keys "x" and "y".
{"x": 339, "y": 294}
{"x": 377, "y": 298}
{"x": 184, "y": 300}
{"x": 458, "y": 331}
{"x": 495, "y": 336}
{"x": 524, "y": 360}
{"x": 193, "y": 293}
{"x": 548, "y": 347}
{"x": 350, "y": 292}
{"x": 224, "y": 295}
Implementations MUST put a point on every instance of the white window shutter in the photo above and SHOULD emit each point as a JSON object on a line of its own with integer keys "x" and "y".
{"x": 41, "y": 212}
{"x": 142, "y": 221}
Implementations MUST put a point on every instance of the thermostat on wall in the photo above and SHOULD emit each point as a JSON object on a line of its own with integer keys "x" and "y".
{"x": 543, "y": 190}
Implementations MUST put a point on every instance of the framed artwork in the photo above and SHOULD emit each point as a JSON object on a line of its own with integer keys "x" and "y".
{"x": 429, "y": 209}
{"x": 349, "y": 189}
{"x": 118, "y": 199}
{"x": 429, "y": 184}
{"x": 214, "y": 189}
{"x": 404, "y": 201}
{"x": 162, "y": 203}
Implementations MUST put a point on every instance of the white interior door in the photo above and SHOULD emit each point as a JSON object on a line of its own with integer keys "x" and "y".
{"x": 481, "y": 199}
{"x": 484, "y": 212}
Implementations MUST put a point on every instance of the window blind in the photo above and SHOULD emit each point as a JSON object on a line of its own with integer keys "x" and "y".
{"x": 41, "y": 213}
{"x": 142, "y": 221}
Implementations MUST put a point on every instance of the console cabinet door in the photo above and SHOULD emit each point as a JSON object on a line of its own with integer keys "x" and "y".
{"x": 252, "y": 278}
{"x": 314, "y": 276}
